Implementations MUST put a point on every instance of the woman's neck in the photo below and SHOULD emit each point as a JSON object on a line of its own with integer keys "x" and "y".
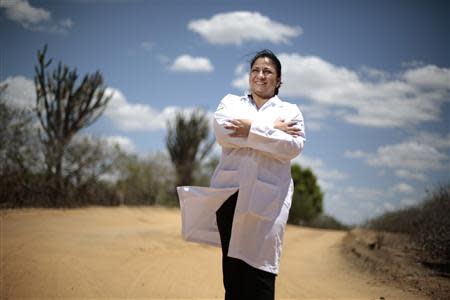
{"x": 259, "y": 101}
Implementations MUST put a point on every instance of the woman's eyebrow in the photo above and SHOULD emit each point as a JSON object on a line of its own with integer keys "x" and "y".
{"x": 264, "y": 68}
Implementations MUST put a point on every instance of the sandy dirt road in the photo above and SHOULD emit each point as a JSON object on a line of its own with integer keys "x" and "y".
{"x": 137, "y": 253}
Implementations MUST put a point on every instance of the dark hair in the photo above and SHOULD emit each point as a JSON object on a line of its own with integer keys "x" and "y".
{"x": 269, "y": 54}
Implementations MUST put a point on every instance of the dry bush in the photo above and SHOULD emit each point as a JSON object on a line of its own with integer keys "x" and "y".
{"x": 402, "y": 221}
{"x": 433, "y": 224}
{"x": 428, "y": 223}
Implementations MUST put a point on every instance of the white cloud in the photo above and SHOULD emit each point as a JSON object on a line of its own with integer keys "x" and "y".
{"x": 408, "y": 155}
{"x": 241, "y": 26}
{"x": 129, "y": 116}
{"x": 374, "y": 74}
{"x": 20, "y": 91}
{"x": 409, "y": 174}
{"x": 379, "y": 99}
{"x": 434, "y": 140}
{"x": 187, "y": 63}
{"x": 60, "y": 28}
{"x": 123, "y": 142}
{"x": 356, "y": 204}
{"x": 34, "y": 18}
{"x": 402, "y": 188}
{"x": 314, "y": 113}
{"x": 429, "y": 76}
{"x": 22, "y": 12}
{"x": 241, "y": 82}
{"x": 410, "y": 159}
{"x": 240, "y": 69}
{"x": 364, "y": 193}
{"x": 326, "y": 176}
{"x": 109, "y": 141}
{"x": 141, "y": 117}
{"x": 353, "y": 204}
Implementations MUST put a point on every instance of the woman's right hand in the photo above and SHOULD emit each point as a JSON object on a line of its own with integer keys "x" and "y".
{"x": 287, "y": 127}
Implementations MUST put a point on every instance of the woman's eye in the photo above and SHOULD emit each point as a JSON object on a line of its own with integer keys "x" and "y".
{"x": 265, "y": 72}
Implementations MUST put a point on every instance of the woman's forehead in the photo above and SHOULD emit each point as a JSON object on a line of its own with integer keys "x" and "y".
{"x": 264, "y": 62}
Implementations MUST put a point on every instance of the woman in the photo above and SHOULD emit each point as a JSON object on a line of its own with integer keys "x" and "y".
{"x": 246, "y": 208}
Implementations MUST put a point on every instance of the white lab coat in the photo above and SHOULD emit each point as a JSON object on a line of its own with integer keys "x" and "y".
{"x": 259, "y": 167}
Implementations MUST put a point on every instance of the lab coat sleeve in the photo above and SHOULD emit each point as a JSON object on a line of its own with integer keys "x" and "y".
{"x": 276, "y": 143}
{"x": 221, "y": 116}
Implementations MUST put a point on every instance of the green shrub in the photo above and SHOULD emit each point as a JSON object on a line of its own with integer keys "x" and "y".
{"x": 307, "y": 200}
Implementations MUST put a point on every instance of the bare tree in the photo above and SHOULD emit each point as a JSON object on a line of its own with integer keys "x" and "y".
{"x": 187, "y": 144}
{"x": 63, "y": 110}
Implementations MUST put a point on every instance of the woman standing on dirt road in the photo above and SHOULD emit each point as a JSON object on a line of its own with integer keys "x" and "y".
{"x": 246, "y": 208}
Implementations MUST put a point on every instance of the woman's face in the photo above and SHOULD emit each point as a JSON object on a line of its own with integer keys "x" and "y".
{"x": 263, "y": 78}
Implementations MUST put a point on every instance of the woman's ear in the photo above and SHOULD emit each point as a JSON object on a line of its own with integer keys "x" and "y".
{"x": 279, "y": 83}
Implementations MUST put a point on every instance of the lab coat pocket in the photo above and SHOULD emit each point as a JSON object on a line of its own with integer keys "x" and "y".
{"x": 265, "y": 200}
{"x": 226, "y": 179}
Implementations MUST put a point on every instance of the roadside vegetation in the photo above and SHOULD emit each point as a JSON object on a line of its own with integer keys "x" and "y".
{"x": 428, "y": 225}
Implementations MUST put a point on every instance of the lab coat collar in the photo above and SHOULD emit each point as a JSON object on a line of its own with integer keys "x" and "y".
{"x": 271, "y": 102}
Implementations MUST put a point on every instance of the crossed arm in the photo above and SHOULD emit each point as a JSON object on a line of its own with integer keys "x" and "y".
{"x": 282, "y": 139}
{"x": 241, "y": 127}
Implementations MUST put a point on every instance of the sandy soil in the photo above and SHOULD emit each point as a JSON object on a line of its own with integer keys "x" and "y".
{"x": 131, "y": 253}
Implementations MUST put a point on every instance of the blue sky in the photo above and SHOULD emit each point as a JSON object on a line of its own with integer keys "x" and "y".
{"x": 371, "y": 77}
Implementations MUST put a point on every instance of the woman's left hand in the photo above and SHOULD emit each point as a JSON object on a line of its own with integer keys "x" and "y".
{"x": 240, "y": 127}
{"x": 288, "y": 127}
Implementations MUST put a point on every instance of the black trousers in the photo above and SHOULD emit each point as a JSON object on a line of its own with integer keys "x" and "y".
{"x": 241, "y": 281}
